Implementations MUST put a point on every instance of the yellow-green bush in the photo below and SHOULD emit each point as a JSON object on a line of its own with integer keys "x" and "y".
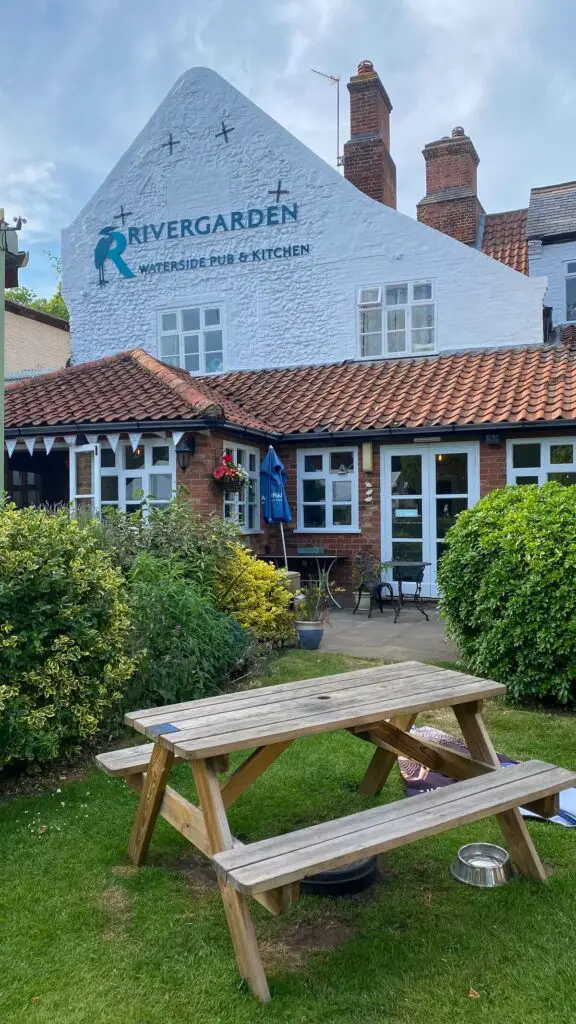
{"x": 256, "y": 594}
{"x": 63, "y": 630}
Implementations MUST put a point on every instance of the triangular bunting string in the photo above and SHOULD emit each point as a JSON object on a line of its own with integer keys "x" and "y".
{"x": 177, "y": 436}
{"x": 92, "y": 438}
{"x": 10, "y": 446}
{"x": 113, "y": 440}
{"x": 30, "y": 442}
{"x": 135, "y": 440}
{"x": 48, "y": 444}
{"x": 70, "y": 439}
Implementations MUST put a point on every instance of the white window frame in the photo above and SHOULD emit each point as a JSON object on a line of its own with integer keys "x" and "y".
{"x": 329, "y": 476}
{"x": 569, "y": 276}
{"x": 181, "y": 334}
{"x": 379, "y": 304}
{"x": 101, "y": 472}
{"x": 236, "y": 506}
{"x": 546, "y": 466}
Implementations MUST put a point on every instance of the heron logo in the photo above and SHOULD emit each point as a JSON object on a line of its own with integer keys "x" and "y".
{"x": 110, "y": 247}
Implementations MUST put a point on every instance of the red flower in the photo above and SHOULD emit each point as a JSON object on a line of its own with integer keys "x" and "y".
{"x": 227, "y": 458}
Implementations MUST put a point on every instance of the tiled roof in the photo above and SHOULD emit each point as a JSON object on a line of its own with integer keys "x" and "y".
{"x": 504, "y": 239}
{"x": 514, "y": 385}
{"x": 130, "y": 386}
{"x": 552, "y": 211}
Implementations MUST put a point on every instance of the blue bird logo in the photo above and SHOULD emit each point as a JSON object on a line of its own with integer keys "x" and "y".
{"x": 110, "y": 247}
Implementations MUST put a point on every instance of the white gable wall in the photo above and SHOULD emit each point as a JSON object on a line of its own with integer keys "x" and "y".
{"x": 292, "y": 310}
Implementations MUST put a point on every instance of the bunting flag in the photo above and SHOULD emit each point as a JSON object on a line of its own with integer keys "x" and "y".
{"x": 135, "y": 440}
{"x": 113, "y": 441}
{"x": 10, "y": 446}
{"x": 92, "y": 438}
{"x": 48, "y": 443}
{"x": 70, "y": 439}
{"x": 177, "y": 436}
{"x": 30, "y": 442}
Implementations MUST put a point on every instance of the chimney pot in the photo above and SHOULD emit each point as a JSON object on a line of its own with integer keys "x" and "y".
{"x": 457, "y": 132}
{"x": 365, "y": 67}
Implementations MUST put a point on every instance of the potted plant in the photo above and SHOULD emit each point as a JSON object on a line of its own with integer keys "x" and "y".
{"x": 229, "y": 477}
{"x": 312, "y": 604}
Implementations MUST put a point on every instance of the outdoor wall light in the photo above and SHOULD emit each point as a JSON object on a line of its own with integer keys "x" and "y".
{"x": 493, "y": 439}
{"x": 184, "y": 451}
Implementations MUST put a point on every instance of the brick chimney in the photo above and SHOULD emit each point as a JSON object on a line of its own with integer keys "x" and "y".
{"x": 367, "y": 160}
{"x": 451, "y": 202}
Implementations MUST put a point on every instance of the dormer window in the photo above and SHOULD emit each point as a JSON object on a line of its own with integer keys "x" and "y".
{"x": 571, "y": 292}
{"x": 397, "y": 320}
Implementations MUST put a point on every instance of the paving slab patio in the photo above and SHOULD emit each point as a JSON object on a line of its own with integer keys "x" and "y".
{"x": 412, "y": 637}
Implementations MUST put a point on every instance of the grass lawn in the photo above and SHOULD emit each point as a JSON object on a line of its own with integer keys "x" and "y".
{"x": 87, "y": 939}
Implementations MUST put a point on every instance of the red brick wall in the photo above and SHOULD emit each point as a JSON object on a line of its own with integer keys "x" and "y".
{"x": 492, "y": 467}
{"x": 449, "y": 163}
{"x": 367, "y": 161}
{"x": 456, "y": 217}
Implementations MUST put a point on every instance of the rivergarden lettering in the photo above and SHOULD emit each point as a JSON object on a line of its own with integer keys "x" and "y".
{"x": 236, "y": 220}
{"x": 279, "y": 252}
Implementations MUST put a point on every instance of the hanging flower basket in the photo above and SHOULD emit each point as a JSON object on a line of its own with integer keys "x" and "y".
{"x": 229, "y": 477}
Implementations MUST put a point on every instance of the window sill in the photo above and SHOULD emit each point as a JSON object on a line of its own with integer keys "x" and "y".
{"x": 344, "y": 529}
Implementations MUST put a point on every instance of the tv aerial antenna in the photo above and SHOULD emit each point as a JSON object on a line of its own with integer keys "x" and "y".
{"x": 334, "y": 80}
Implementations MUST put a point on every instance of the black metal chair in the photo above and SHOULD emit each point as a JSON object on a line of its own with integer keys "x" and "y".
{"x": 416, "y": 577}
{"x": 368, "y": 576}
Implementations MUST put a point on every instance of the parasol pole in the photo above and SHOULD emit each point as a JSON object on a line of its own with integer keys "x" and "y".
{"x": 284, "y": 545}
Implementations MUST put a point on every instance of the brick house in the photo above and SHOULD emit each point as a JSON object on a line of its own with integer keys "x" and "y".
{"x": 228, "y": 290}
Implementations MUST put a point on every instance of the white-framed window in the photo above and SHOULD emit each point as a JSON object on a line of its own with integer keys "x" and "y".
{"x": 328, "y": 490}
{"x": 535, "y": 461}
{"x": 145, "y": 476}
{"x": 192, "y": 338}
{"x": 571, "y": 292}
{"x": 397, "y": 319}
{"x": 243, "y": 507}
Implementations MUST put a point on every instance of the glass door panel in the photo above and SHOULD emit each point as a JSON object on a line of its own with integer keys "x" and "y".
{"x": 423, "y": 492}
{"x": 85, "y": 479}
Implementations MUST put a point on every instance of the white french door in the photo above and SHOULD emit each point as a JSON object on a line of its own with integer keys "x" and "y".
{"x": 423, "y": 490}
{"x": 85, "y": 478}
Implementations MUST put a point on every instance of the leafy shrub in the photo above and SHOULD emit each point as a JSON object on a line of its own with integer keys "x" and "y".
{"x": 507, "y": 583}
{"x": 256, "y": 595}
{"x": 63, "y": 629}
{"x": 185, "y": 647}
{"x": 201, "y": 543}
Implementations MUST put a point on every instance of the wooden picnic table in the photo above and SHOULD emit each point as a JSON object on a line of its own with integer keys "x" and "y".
{"x": 378, "y": 705}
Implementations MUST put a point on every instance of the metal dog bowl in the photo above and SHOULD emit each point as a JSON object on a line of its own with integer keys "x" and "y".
{"x": 481, "y": 864}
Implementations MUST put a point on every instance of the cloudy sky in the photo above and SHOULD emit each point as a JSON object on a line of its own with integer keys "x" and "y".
{"x": 79, "y": 79}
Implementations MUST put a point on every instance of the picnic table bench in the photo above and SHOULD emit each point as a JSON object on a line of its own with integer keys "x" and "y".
{"x": 379, "y": 706}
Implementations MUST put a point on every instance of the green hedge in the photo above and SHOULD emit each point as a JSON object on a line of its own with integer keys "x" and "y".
{"x": 508, "y": 589}
{"x": 63, "y": 632}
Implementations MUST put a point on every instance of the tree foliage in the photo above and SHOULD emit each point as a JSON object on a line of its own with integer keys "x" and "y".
{"x": 507, "y": 584}
{"x": 27, "y": 297}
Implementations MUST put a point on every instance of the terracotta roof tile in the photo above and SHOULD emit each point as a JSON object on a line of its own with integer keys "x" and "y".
{"x": 504, "y": 239}
{"x": 130, "y": 386}
{"x": 514, "y": 385}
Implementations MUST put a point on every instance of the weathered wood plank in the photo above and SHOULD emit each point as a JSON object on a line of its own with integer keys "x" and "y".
{"x": 383, "y": 761}
{"x": 263, "y": 694}
{"x": 522, "y": 849}
{"x": 250, "y": 770}
{"x": 197, "y": 723}
{"x": 240, "y": 923}
{"x": 150, "y": 799}
{"x": 262, "y": 731}
{"x": 293, "y": 857}
{"x": 127, "y": 760}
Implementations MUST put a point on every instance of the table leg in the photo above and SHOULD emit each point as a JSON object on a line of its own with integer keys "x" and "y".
{"x": 240, "y": 923}
{"x": 150, "y": 800}
{"x": 383, "y": 761}
{"x": 522, "y": 849}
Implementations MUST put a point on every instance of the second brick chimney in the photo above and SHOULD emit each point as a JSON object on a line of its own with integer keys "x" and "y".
{"x": 451, "y": 202}
{"x": 367, "y": 160}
